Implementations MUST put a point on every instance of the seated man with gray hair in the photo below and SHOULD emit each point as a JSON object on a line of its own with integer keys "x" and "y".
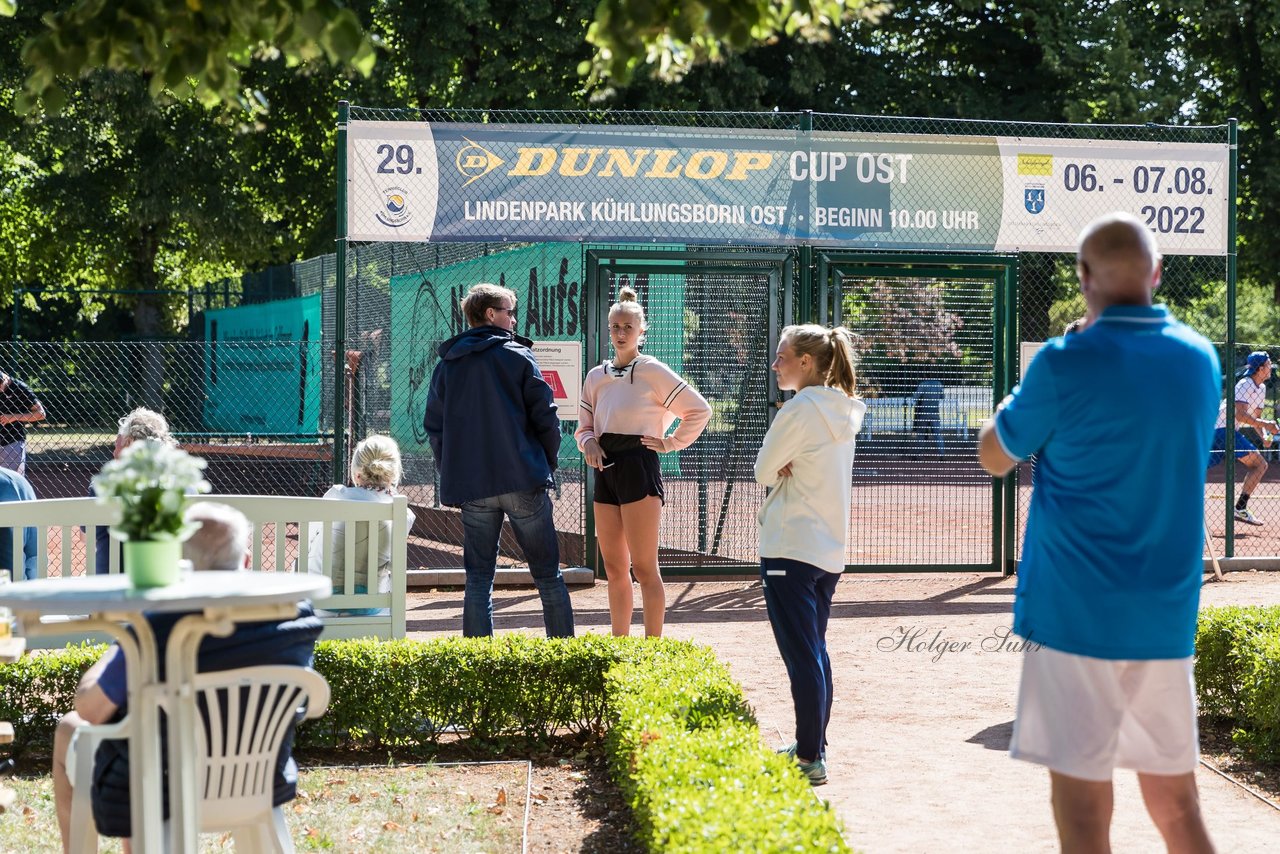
{"x": 220, "y": 544}
{"x": 222, "y": 540}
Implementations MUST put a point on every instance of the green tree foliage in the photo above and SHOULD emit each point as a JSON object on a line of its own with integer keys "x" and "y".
{"x": 1233, "y": 49}
{"x": 672, "y": 36}
{"x": 195, "y": 48}
{"x": 485, "y": 54}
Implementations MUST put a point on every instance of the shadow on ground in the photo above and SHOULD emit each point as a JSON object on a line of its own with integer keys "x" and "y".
{"x": 995, "y": 737}
{"x": 694, "y": 603}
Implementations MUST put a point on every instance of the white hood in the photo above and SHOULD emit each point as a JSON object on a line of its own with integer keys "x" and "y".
{"x": 841, "y": 414}
{"x": 806, "y": 516}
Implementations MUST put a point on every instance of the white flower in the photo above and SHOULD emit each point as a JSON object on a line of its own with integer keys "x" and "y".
{"x": 150, "y": 482}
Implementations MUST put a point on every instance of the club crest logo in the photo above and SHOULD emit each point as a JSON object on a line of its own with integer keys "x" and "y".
{"x": 394, "y": 211}
{"x": 1033, "y": 199}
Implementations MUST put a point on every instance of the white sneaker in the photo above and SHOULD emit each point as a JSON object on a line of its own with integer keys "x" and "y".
{"x": 1247, "y": 517}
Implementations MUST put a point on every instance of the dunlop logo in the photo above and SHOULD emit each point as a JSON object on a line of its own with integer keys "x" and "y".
{"x": 475, "y": 161}
{"x": 634, "y": 163}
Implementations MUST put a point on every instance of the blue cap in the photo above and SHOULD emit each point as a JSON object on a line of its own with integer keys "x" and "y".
{"x": 1256, "y": 360}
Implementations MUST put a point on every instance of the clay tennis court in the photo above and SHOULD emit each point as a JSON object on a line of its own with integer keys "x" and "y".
{"x": 905, "y": 514}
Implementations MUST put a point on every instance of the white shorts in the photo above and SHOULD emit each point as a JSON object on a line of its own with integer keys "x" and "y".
{"x": 1085, "y": 717}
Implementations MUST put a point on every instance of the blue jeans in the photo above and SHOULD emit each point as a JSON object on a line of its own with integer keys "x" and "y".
{"x": 798, "y": 596}
{"x": 535, "y": 530}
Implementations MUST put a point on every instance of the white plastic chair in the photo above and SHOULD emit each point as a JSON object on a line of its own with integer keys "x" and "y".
{"x": 247, "y": 714}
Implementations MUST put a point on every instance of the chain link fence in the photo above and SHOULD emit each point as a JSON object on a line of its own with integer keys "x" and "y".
{"x": 939, "y": 333}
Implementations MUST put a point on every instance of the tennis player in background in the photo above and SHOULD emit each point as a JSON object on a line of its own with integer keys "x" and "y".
{"x": 1250, "y": 394}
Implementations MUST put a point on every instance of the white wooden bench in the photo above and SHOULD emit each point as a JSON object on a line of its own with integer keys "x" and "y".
{"x": 66, "y": 550}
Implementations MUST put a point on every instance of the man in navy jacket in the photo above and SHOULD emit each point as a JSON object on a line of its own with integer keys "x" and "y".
{"x": 496, "y": 439}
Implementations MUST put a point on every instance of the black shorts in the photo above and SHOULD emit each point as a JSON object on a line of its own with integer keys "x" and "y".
{"x": 633, "y": 472}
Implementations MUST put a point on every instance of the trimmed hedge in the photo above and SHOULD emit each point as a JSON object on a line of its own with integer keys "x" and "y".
{"x": 686, "y": 751}
{"x": 1238, "y": 674}
{"x": 682, "y": 741}
{"x": 36, "y": 690}
{"x": 407, "y": 693}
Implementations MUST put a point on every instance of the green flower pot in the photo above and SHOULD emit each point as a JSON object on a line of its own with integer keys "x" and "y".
{"x": 152, "y": 563}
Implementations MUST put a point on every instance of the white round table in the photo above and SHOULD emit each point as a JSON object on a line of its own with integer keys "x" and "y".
{"x": 110, "y": 603}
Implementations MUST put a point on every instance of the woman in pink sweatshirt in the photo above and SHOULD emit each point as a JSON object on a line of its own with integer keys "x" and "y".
{"x": 627, "y": 406}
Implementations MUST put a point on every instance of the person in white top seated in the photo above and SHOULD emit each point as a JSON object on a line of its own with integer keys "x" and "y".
{"x": 376, "y": 471}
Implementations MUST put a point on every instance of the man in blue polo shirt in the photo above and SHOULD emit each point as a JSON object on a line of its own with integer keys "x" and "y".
{"x": 1120, "y": 417}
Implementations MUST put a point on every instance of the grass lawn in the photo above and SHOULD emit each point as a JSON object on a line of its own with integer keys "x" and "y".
{"x": 443, "y": 808}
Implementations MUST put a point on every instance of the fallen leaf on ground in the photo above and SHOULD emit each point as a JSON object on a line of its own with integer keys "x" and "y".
{"x": 391, "y": 825}
{"x": 353, "y": 798}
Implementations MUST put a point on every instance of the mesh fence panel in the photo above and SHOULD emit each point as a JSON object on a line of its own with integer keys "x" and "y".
{"x": 926, "y": 361}
{"x": 402, "y": 301}
{"x": 719, "y": 307}
{"x": 208, "y": 394}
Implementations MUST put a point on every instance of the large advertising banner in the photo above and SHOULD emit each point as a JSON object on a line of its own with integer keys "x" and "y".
{"x": 551, "y": 307}
{"x": 418, "y": 181}
{"x": 262, "y": 367}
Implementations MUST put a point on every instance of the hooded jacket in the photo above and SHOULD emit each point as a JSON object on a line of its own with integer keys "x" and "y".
{"x": 806, "y": 515}
{"x": 490, "y": 417}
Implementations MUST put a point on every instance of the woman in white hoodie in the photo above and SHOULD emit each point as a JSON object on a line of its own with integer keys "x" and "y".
{"x": 807, "y": 460}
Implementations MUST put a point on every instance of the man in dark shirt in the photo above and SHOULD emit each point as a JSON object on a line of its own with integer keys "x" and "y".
{"x": 18, "y": 408}
{"x": 221, "y": 543}
{"x": 926, "y": 423}
{"x": 491, "y": 419}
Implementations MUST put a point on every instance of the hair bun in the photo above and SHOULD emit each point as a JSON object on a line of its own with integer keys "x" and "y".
{"x": 627, "y": 294}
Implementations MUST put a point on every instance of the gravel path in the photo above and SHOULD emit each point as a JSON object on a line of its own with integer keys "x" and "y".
{"x": 925, "y": 687}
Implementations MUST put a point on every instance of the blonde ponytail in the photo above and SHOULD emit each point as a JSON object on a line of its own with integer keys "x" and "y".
{"x": 831, "y": 350}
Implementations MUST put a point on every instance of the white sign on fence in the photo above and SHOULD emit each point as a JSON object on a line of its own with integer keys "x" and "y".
{"x": 561, "y": 364}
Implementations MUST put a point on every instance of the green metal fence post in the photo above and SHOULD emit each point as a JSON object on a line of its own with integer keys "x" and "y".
{"x": 806, "y": 252}
{"x": 999, "y": 357}
{"x": 340, "y": 305}
{"x": 1230, "y": 355}
{"x": 590, "y": 550}
{"x": 1011, "y": 373}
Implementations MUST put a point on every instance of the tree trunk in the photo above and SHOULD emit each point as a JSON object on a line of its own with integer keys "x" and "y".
{"x": 149, "y": 317}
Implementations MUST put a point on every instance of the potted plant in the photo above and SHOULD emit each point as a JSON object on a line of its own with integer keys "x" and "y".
{"x": 149, "y": 482}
